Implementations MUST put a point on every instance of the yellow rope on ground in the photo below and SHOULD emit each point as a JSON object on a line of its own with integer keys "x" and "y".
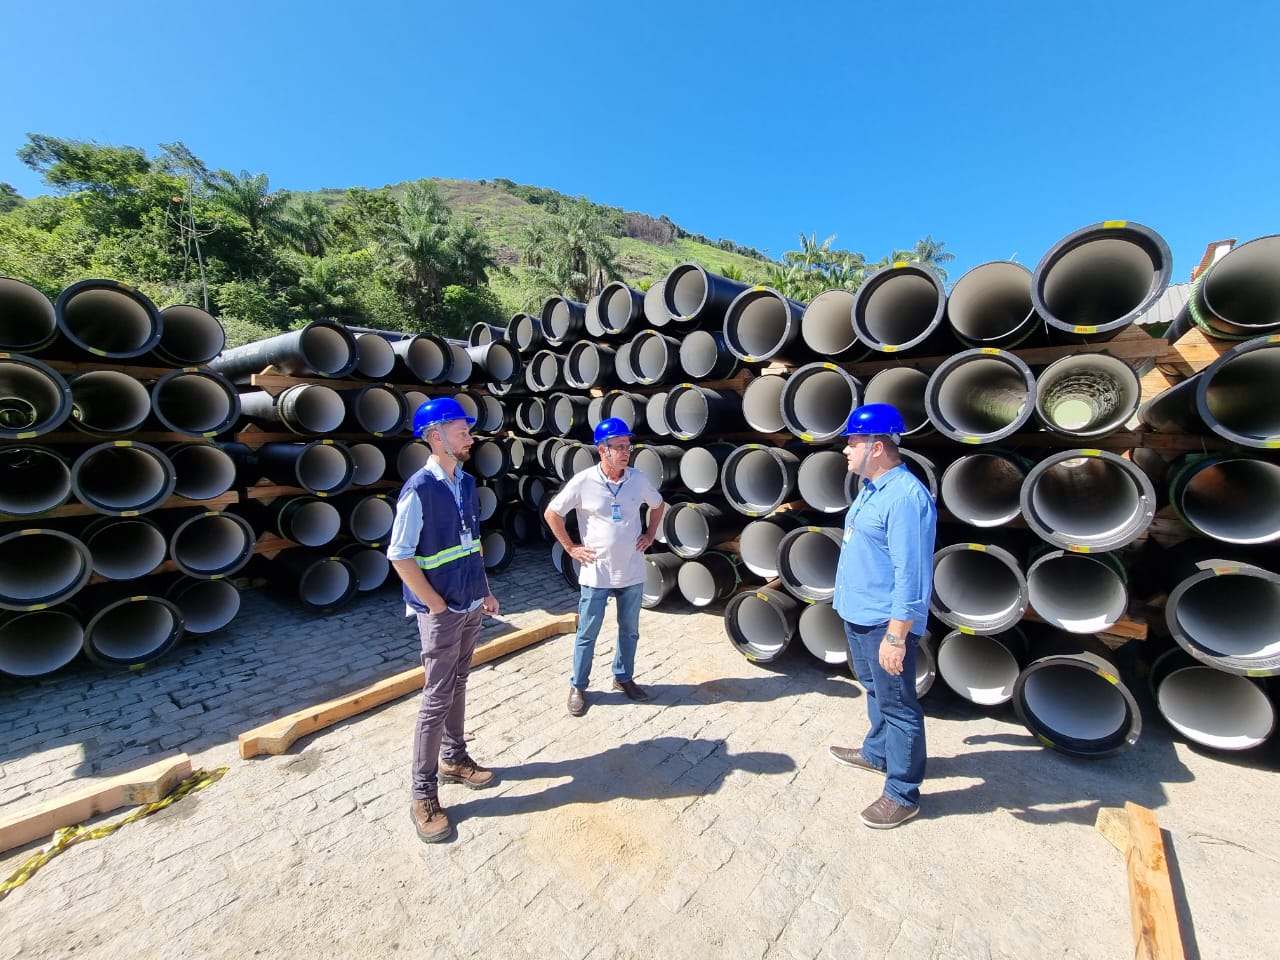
{"x": 67, "y": 837}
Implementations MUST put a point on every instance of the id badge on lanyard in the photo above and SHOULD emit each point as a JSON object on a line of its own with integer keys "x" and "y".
{"x": 617, "y": 513}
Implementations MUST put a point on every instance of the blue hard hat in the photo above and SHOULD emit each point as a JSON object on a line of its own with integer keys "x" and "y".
{"x": 611, "y": 427}
{"x": 439, "y": 410}
{"x": 872, "y": 418}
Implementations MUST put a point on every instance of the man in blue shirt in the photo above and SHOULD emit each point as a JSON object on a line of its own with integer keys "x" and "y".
{"x": 883, "y": 582}
{"x": 435, "y": 549}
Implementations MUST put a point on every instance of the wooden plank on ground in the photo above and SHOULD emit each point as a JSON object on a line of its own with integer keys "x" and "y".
{"x": 1135, "y": 832}
{"x": 279, "y": 735}
{"x": 145, "y": 785}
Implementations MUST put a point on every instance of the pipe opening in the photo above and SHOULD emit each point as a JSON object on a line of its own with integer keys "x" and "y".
{"x": 822, "y": 632}
{"x": 207, "y": 605}
{"x": 108, "y": 401}
{"x": 326, "y": 582}
{"x": 982, "y": 489}
{"x": 1236, "y": 500}
{"x": 700, "y": 583}
{"x": 703, "y": 356}
{"x": 427, "y": 358}
{"x": 1229, "y": 618}
{"x": 1099, "y": 501}
{"x": 34, "y": 399}
{"x": 189, "y": 337}
{"x": 379, "y": 409}
{"x": 757, "y": 480}
{"x": 27, "y": 321}
{"x": 371, "y": 519}
{"x": 762, "y": 404}
{"x": 200, "y": 403}
{"x": 817, "y": 400}
{"x": 760, "y": 324}
{"x": 38, "y": 643}
{"x": 898, "y": 311}
{"x": 326, "y": 350}
{"x": 827, "y": 324}
{"x": 807, "y": 560}
{"x": 990, "y": 306}
{"x": 1215, "y": 709}
{"x": 114, "y": 479}
{"x": 980, "y": 589}
{"x": 41, "y": 567}
{"x": 761, "y": 624}
{"x": 124, "y": 549}
{"x": 822, "y": 481}
{"x": 311, "y": 408}
{"x": 411, "y": 458}
{"x": 1087, "y": 396}
{"x": 1067, "y": 702}
{"x": 371, "y": 566}
{"x": 653, "y": 356}
{"x": 133, "y": 631}
{"x": 374, "y": 357}
{"x": 685, "y": 291}
{"x": 905, "y": 389}
{"x": 35, "y": 479}
{"x": 111, "y": 321}
{"x": 1233, "y": 395}
{"x": 977, "y": 397}
{"x": 312, "y": 523}
{"x": 758, "y": 546}
{"x": 1243, "y": 288}
{"x": 583, "y": 368}
{"x": 212, "y": 545}
{"x": 323, "y": 467}
{"x": 369, "y": 463}
{"x": 981, "y": 669}
{"x": 700, "y": 467}
{"x": 1098, "y": 283}
{"x": 1077, "y": 592}
{"x": 655, "y": 306}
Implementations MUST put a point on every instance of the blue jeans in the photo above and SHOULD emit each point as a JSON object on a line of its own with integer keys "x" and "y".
{"x": 591, "y": 614}
{"x": 895, "y": 742}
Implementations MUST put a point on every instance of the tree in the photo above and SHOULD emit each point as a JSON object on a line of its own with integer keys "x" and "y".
{"x": 249, "y": 197}
{"x": 575, "y": 256}
{"x": 9, "y": 197}
{"x": 312, "y": 226}
{"x": 73, "y": 165}
{"x": 929, "y": 252}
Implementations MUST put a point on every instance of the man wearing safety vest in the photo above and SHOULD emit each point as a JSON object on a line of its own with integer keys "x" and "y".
{"x": 608, "y": 497}
{"x": 435, "y": 549}
{"x": 883, "y": 582}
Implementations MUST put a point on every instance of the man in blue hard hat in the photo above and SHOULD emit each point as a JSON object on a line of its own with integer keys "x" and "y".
{"x": 608, "y": 497}
{"x": 883, "y": 582}
{"x": 435, "y": 549}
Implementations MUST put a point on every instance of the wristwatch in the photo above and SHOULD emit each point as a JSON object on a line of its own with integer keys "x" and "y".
{"x": 893, "y": 640}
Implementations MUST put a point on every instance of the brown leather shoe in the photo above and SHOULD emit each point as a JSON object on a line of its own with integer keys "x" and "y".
{"x": 429, "y": 820}
{"x": 577, "y": 703}
{"x": 632, "y": 689}
{"x": 851, "y": 756}
{"x": 466, "y": 771}
{"x": 885, "y": 814}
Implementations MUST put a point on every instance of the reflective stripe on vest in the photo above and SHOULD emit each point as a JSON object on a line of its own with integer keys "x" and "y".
{"x": 447, "y": 555}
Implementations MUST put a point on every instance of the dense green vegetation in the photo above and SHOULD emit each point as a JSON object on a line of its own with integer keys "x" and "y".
{"x": 432, "y": 255}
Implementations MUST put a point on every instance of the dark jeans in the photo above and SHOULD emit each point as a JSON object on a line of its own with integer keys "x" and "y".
{"x": 895, "y": 742}
{"x": 448, "y": 642}
{"x": 591, "y": 605}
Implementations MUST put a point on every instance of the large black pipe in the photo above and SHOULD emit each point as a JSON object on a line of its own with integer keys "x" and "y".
{"x": 990, "y": 306}
{"x": 899, "y": 310}
{"x": 379, "y": 409}
{"x": 206, "y": 605}
{"x": 368, "y": 517}
{"x": 323, "y": 348}
{"x": 306, "y": 520}
{"x": 124, "y": 548}
{"x": 318, "y": 582}
{"x": 822, "y": 632}
{"x": 1087, "y": 395}
{"x": 660, "y": 462}
{"x": 978, "y": 587}
{"x": 693, "y": 528}
{"x": 621, "y": 309}
{"x": 630, "y": 409}
{"x": 498, "y": 550}
{"x": 40, "y": 642}
{"x": 545, "y": 371}
{"x": 1222, "y": 711}
{"x": 210, "y": 544}
{"x": 369, "y": 462}
{"x": 410, "y": 458}
{"x": 496, "y": 361}
{"x": 490, "y": 458}
{"x": 1096, "y": 281}
{"x": 1223, "y": 611}
{"x": 759, "y": 541}
{"x": 1086, "y": 500}
{"x": 108, "y": 319}
{"x": 32, "y": 480}
{"x": 201, "y": 470}
{"x": 922, "y": 468}
{"x": 983, "y": 489}
{"x": 1238, "y": 297}
{"x": 108, "y": 402}
{"x": 1078, "y": 592}
{"x": 588, "y": 365}
{"x": 655, "y": 304}
{"x": 660, "y": 572}
{"x": 34, "y": 398}
{"x": 762, "y": 324}
{"x": 826, "y": 327}
{"x": 27, "y": 320}
{"x": 704, "y": 355}
{"x": 700, "y": 466}
{"x": 692, "y": 411}
{"x": 1229, "y": 497}
{"x": 375, "y": 358}
{"x": 904, "y": 389}
{"x": 304, "y": 408}
{"x": 322, "y": 467}
{"x": 822, "y": 481}
{"x": 761, "y": 623}
{"x": 424, "y": 357}
{"x": 40, "y": 567}
{"x": 817, "y": 400}
{"x": 762, "y": 403}
{"x": 372, "y": 567}
{"x": 492, "y": 415}
{"x": 567, "y": 416}
{"x": 655, "y": 357}
{"x": 693, "y": 295}
{"x": 757, "y": 479}
{"x": 981, "y": 396}
{"x": 482, "y": 333}
{"x": 524, "y": 332}
{"x": 982, "y": 669}
{"x": 807, "y": 559}
{"x": 122, "y": 478}
{"x": 199, "y": 403}
{"x": 563, "y": 320}
{"x": 706, "y": 579}
{"x": 520, "y": 523}
{"x": 189, "y": 337}
{"x": 130, "y": 630}
{"x": 531, "y": 416}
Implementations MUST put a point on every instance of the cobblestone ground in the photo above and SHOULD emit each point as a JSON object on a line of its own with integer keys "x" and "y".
{"x": 709, "y": 822}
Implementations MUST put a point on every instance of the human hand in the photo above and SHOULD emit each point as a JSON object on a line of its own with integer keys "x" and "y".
{"x": 437, "y": 606}
{"x": 489, "y": 605}
{"x": 644, "y": 542}
{"x": 582, "y": 553}
{"x": 892, "y": 658}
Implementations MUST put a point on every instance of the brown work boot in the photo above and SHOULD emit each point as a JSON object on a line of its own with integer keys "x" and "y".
{"x": 632, "y": 689}
{"x": 466, "y": 771}
{"x": 429, "y": 820}
{"x": 577, "y": 704}
{"x": 885, "y": 814}
{"x": 851, "y": 756}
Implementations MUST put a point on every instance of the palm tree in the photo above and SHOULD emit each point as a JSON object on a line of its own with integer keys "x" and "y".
{"x": 571, "y": 254}
{"x": 249, "y": 197}
{"x": 929, "y": 252}
{"x": 313, "y": 226}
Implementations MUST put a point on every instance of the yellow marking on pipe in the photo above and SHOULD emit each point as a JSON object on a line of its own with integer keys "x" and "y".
{"x": 967, "y": 631}
{"x": 1114, "y": 224}
{"x": 807, "y": 437}
{"x": 27, "y": 434}
{"x": 1225, "y": 571}
{"x": 890, "y": 348}
{"x": 1077, "y": 548}
{"x": 992, "y": 351}
{"x": 1090, "y": 452}
{"x": 761, "y": 596}
{"x": 970, "y": 439}
{"x": 981, "y": 547}
{"x": 122, "y": 443}
{"x": 1084, "y": 329}
{"x": 1110, "y": 678}
{"x": 129, "y": 513}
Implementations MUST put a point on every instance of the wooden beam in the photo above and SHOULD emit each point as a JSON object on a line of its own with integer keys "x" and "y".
{"x": 1192, "y": 352}
{"x": 279, "y": 735}
{"x": 145, "y": 785}
{"x": 1135, "y": 832}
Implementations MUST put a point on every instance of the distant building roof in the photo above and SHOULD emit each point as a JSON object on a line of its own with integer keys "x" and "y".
{"x": 1212, "y": 254}
{"x": 1170, "y": 304}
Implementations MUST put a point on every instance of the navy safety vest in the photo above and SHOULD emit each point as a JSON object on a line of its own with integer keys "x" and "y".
{"x": 455, "y": 572}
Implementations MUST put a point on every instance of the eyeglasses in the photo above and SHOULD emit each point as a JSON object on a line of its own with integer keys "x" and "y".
{"x": 618, "y": 447}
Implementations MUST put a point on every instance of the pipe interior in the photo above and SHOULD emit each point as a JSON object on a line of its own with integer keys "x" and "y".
{"x": 1235, "y": 500}
{"x": 491, "y": 412}
{"x": 622, "y": 363}
{"x": 369, "y": 463}
{"x": 121, "y": 478}
{"x": 1239, "y": 393}
{"x": 565, "y": 413}
{"x": 615, "y": 308}
{"x": 584, "y": 363}
{"x": 648, "y": 462}
{"x": 699, "y": 352}
{"x": 202, "y": 471}
{"x": 977, "y": 589}
{"x": 211, "y": 544}
{"x": 411, "y": 458}
{"x": 758, "y": 328}
{"x": 374, "y": 356}
{"x": 1098, "y": 282}
{"x": 380, "y": 409}
{"x": 39, "y": 567}
{"x": 325, "y": 350}
{"x": 488, "y": 498}
{"x": 495, "y": 547}
{"x": 991, "y": 301}
{"x": 27, "y": 317}
{"x": 903, "y": 388}
{"x": 689, "y": 530}
{"x": 822, "y": 633}
{"x": 697, "y": 583}
{"x": 487, "y": 457}
{"x": 521, "y": 331}
{"x": 426, "y": 359}
{"x": 1077, "y": 593}
{"x": 1088, "y": 395}
{"x": 109, "y": 320}
{"x": 819, "y": 403}
{"x": 133, "y": 630}
{"x": 371, "y": 519}
{"x": 757, "y": 480}
{"x": 195, "y": 402}
{"x": 124, "y": 549}
{"x": 35, "y": 480}
{"x": 460, "y": 365}
{"x": 34, "y": 644}
{"x": 189, "y": 335}
{"x": 208, "y": 605}
{"x": 827, "y": 323}
{"x": 325, "y": 582}
{"x": 500, "y": 362}
{"x": 758, "y": 546}
{"x": 1232, "y": 615}
{"x": 655, "y": 414}
{"x": 312, "y": 408}
{"x": 822, "y": 479}
{"x": 983, "y": 489}
{"x": 811, "y": 562}
{"x": 699, "y": 469}
{"x": 651, "y": 356}
{"x": 760, "y": 626}
{"x": 584, "y": 458}
{"x": 1244, "y": 287}
{"x": 655, "y": 307}
{"x": 658, "y": 582}
{"x": 686, "y": 291}
{"x": 626, "y": 407}
{"x": 981, "y": 396}
{"x": 324, "y": 467}
{"x": 762, "y": 404}
{"x": 372, "y": 568}
{"x": 314, "y": 524}
{"x": 546, "y": 366}
{"x": 1086, "y": 499}
{"x": 1216, "y": 709}
{"x": 29, "y": 398}
{"x": 899, "y": 309}
{"x": 1072, "y": 701}
{"x": 980, "y": 669}
{"x": 559, "y": 321}
{"x": 109, "y": 401}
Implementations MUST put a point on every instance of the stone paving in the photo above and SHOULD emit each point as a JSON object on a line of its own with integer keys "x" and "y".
{"x": 709, "y": 822}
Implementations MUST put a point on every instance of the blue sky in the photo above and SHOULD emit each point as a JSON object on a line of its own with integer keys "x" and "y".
{"x": 997, "y": 127}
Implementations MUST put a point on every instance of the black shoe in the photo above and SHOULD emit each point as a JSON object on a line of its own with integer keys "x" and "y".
{"x": 632, "y": 689}
{"x": 577, "y": 703}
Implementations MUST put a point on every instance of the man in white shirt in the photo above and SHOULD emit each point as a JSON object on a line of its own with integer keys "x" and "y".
{"x": 608, "y": 498}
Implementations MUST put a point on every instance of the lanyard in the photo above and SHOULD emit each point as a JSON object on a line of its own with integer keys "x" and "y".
{"x": 608, "y": 486}
{"x": 455, "y": 487}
